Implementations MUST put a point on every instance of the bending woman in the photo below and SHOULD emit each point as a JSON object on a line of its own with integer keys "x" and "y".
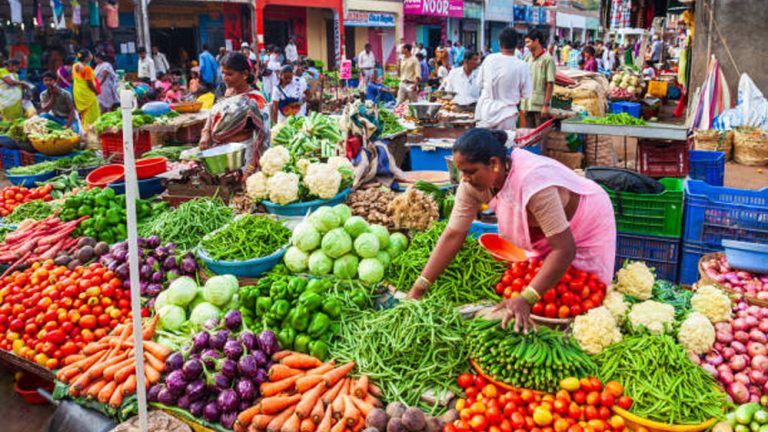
{"x": 84, "y": 88}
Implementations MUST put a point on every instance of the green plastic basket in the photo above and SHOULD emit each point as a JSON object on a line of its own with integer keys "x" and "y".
{"x": 654, "y": 214}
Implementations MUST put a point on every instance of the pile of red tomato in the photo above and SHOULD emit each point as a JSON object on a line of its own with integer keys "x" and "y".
{"x": 13, "y": 196}
{"x": 576, "y": 293}
{"x": 580, "y": 406}
{"x": 48, "y": 312}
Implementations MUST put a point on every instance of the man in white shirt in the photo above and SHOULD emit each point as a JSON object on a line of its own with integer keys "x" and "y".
{"x": 463, "y": 81}
{"x": 291, "y": 52}
{"x": 366, "y": 62}
{"x": 504, "y": 80}
{"x": 161, "y": 63}
{"x": 146, "y": 67}
{"x": 400, "y": 49}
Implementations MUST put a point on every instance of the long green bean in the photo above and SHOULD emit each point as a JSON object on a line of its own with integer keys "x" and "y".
{"x": 189, "y": 223}
{"x": 247, "y": 238}
{"x": 36, "y": 210}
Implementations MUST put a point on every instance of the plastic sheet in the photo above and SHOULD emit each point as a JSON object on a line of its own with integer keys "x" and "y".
{"x": 751, "y": 108}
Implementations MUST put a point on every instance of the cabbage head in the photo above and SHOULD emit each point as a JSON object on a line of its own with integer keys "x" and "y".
{"x": 203, "y": 312}
{"x": 182, "y": 291}
{"x": 161, "y": 300}
{"x": 336, "y": 243}
{"x": 398, "y": 242}
{"x": 381, "y": 233}
{"x": 355, "y": 226}
{"x": 219, "y": 290}
{"x": 345, "y": 267}
{"x": 370, "y": 270}
{"x": 305, "y": 237}
{"x": 324, "y": 219}
{"x": 295, "y": 259}
{"x": 367, "y": 245}
{"x": 343, "y": 212}
{"x": 172, "y": 317}
{"x": 384, "y": 258}
{"x": 319, "y": 263}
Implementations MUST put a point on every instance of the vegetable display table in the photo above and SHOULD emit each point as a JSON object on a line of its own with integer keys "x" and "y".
{"x": 26, "y": 365}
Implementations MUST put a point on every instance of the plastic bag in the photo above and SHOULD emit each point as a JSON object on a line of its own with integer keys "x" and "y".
{"x": 751, "y": 108}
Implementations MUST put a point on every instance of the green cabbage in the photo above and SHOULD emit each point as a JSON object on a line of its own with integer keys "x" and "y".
{"x": 345, "y": 267}
{"x": 161, "y": 300}
{"x": 182, "y": 291}
{"x": 343, "y": 212}
{"x": 355, "y": 226}
{"x": 305, "y": 237}
{"x": 370, "y": 270}
{"x": 367, "y": 245}
{"x": 219, "y": 290}
{"x": 172, "y": 317}
{"x": 295, "y": 259}
{"x": 336, "y": 243}
{"x": 320, "y": 263}
{"x": 324, "y": 219}
{"x": 197, "y": 300}
{"x": 398, "y": 243}
{"x": 384, "y": 258}
{"x": 203, "y": 312}
{"x": 381, "y": 233}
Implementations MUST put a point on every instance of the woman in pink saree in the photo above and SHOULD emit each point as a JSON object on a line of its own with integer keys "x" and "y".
{"x": 541, "y": 206}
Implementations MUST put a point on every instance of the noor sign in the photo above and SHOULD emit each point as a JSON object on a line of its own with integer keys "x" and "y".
{"x": 441, "y": 8}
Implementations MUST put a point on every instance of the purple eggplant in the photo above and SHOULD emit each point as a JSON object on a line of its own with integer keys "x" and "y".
{"x": 209, "y": 357}
{"x": 200, "y": 341}
{"x": 222, "y": 381}
{"x": 176, "y": 383}
{"x": 244, "y": 405}
{"x": 196, "y": 408}
{"x": 192, "y": 369}
{"x": 188, "y": 265}
{"x": 211, "y": 412}
{"x": 233, "y": 319}
{"x": 153, "y": 241}
{"x": 160, "y": 253}
{"x": 196, "y": 389}
{"x": 228, "y": 368}
{"x": 145, "y": 272}
{"x": 261, "y": 376}
{"x": 169, "y": 263}
{"x": 112, "y": 265}
{"x": 122, "y": 271}
{"x": 143, "y": 288}
{"x": 120, "y": 254}
{"x": 228, "y": 419}
{"x": 154, "y": 391}
{"x": 260, "y": 357}
{"x": 152, "y": 262}
{"x": 268, "y": 342}
{"x": 154, "y": 289}
{"x": 249, "y": 340}
{"x": 127, "y": 284}
{"x": 218, "y": 340}
{"x": 245, "y": 389}
{"x": 165, "y": 397}
{"x": 227, "y": 400}
{"x": 157, "y": 277}
{"x": 233, "y": 349}
{"x": 211, "y": 324}
{"x": 247, "y": 366}
{"x": 174, "y": 361}
{"x": 183, "y": 401}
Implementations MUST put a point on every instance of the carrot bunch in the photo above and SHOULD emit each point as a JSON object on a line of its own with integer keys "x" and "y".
{"x": 304, "y": 394}
{"x": 106, "y": 369}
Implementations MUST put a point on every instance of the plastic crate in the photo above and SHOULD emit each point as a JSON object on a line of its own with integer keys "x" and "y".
{"x": 27, "y": 158}
{"x": 715, "y": 213}
{"x": 689, "y": 261}
{"x": 10, "y": 158}
{"x": 708, "y": 166}
{"x": 428, "y": 157}
{"x": 479, "y": 228}
{"x": 112, "y": 144}
{"x": 631, "y": 108}
{"x": 663, "y": 159}
{"x": 39, "y": 157}
{"x": 661, "y": 253}
{"x": 654, "y": 214}
{"x": 657, "y": 88}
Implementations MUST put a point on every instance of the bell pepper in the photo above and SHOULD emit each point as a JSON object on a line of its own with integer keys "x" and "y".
{"x": 286, "y": 338}
{"x": 332, "y": 307}
{"x": 319, "y": 325}
{"x": 318, "y": 286}
{"x": 101, "y": 200}
{"x": 113, "y": 216}
{"x": 84, "y": 210}
{"x": 300, "y": 320}
{"x": 301, "y": 343}
{"x": 279, "y": 290}
{"x": 311, "y": 300}
{"x": 296, "y": 286}
{"x": 359, "y": 297}
{"x": 280, "y": 308}
{"x": 318, "y": 349}
{"x": 263, "y": 304}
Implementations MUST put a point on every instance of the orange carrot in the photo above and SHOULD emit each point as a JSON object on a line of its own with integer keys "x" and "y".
{"x": 68, "y": 372}
{"x": 154, "y": 361}
{"x": 307, "y": 425}
{"x": 125, "y": 372}
{"x": 105, "y": 394}
{"x": 129, "y": 385}
{"x": 338, "y": 403}
{"x": 276, "y": 357}
{"x": 147, "y": 333}
{"x": 317, "y": 412}
{"x": 372, "y": 400}
{"x": 93, "y": 348}
{"x": 157, "y": 350}
{"x": 94, "y": 388}
{"x": 323, "y": 368}
{"x": 245, "y": 417}
{"x": 351, "y": 413}
{"x": 361, "y": 405}
{"x": 308, "y": 400}
{"x": 277, "y": 423}
{"x": 275, "y": 404}
{"x": 272, "y": 388}
{"x": 359, "y": 426}
{"x": 334, "y": 376}
{"x": 307, "y": 383}
{"x": 374, "y": 390}
{"x": 325, "y": 423}
{"x": 301, "y": 361}
{"x": 117, "y": 396}
{"x": 151, "y": 374}
{"x": 97, "y": 370}
{"x": 110, "y": 371}
{"x": 340, "y": 426}
{"x": 261, "y": 421}
{"x": 68, "y": 360}
{"x": 292, "y": 424}
{"x": 279, "y": 372}
{"x": 361, "y": 387}
{"x": 331, "y": 394}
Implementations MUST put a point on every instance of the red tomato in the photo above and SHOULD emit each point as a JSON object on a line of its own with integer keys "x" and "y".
{"x": 465, "y": 380}
{"x": 597, "y": 385}
{"x": 586, "y": 385}
{"x": 449, "y": 427}
{"x": 471, "y": 392}
{"x": 593, "y": 398}
{"x": 493, "y": 415}
{"x": 560, "y": 406}
{"x": 509, "y": 409}
{"x": 575, "y": 428}
{"x": 537, "y": 309}
{"x": 580, "y": 396}
{"x": 607, "y": 399}
{"x": 518, "y": 421}
{"x": 625, "y": 402}
{"x": 574, "y": 411}
{"x": 576, "y": 310}
{"x": 87, "y": 321}
{"x": 590, "y": 413}
{"x": 480, "y": 382}
{"x": 505, "y": 426}
{"x": 563, "y": 312}
{"x": 550, "y": 310}
{"x": 604, "y": 413}
{"x": 478, "y": 423}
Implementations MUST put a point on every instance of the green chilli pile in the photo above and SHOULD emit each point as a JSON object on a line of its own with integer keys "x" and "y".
{"x": 247, "y": 238}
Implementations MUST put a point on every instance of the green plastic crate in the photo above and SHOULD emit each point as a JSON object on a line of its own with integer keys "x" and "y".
{"x": 654, "y": 214}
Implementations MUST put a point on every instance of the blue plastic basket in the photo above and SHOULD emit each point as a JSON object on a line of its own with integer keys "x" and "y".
{"x": 708, "y": 166}
{"x": 428, "y": 157}
{"x": 479, "y": 228}
{"x": 11, "y": 158}
{"x": 29, "y": 181}
{"x": 689, "y": 262}
{"x": 661, "y": 253}
{"x": 751, "y": 257}
{"x": 39, "y": 157}
{"x": 714, "y": 214}
{"x": 250, "y": 268}
{"x": 147, "y": 187}
{"x": 631, "y": 108}
{"x": 301, "y": 209}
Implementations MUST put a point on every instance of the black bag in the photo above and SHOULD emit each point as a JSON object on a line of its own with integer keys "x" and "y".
{"x": 624, "y": 180}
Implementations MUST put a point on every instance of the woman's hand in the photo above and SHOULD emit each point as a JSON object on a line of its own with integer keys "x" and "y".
{"x": 205, "y": 141}
{"x": 518, "y": 309}
{"x": 416, "y": 292}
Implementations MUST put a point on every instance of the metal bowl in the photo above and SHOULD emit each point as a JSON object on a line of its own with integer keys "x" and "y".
{"x": 425, "y": 110}
{"x": 224, "y": 158}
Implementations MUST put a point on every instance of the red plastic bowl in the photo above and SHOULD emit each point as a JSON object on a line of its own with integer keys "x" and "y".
{"x": 27, "y": 387}
{"x": 501, "y": 249}
{"x": 150, "y": 167}
{"x": 102, "y": 176}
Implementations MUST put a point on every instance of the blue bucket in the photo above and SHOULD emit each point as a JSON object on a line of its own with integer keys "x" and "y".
{"x": 147, "y": 187}
{"x": 751, "y": 257}
{"x": 250, "y": 268}
{"x": 301, "y": 209}
{"x": 29, "y": 180}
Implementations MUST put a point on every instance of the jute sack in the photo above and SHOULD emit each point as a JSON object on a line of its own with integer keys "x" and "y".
{"x": 750, "y": 146}
{"x": 713, "y": 140}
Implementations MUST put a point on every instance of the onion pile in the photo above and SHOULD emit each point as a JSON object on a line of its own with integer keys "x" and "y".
{"x": 739, "y": 357}
{"x": 736, "y": 280}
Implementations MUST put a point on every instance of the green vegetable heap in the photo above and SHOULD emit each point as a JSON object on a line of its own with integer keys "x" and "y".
{"x": 538, "y": 360}
{"x": 85, "y": 159}
{"x": 189, "y": 223}
{"x": 114, "y": 120}
{"x": 64, "y": 183}
{"x": 622, "y": 119}
{"x": 247, "y": 238}
{"x": 390, "y": 124}
{"x": 35, "y": 210}
{"x": 314, "y": 135}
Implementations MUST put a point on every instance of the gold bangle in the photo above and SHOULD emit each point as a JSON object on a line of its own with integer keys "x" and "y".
{"x": 530, "y": 295}
{"x": 424, "y": 281}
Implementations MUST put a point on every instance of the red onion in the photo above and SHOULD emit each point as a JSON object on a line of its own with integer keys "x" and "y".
{"x": 739, "y": 347}
{"x": 765, "y": 388}
{"x": 739, "y": 392}
{"x": 763, "y": 313}
{"x": 760, "y": 362}
{"x": 743, "y": 378}
{"x": 726, "y": 377}
{"x": 754, "y": 398}
{"x": 724, "y": 327}
{"x": 751, "y": 320}
{"x": 756, "y": 348}
{"x": 757, "y": 377}
{"x": 717, "y": 346}
{"x": 741, "y": 336}
{"x": 739, "y": 323}
{"x": 763, "y": 325}
{"x": 753, "y": 310}
{"x": 714, "y": 358}
{"x": 724, "y": 337}
{"x": 711, "y": 369}
{"x": 694, "y": 357}
{"x": 738, "y": 362}
{"x": 723, "y": 368}
{"x": 728, "y": 352}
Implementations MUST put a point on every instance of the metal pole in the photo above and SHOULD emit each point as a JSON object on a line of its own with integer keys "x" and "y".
{"x": 481, "y": 48}
{"x": 145, "y": 24}
{"x": 131, "y": 193}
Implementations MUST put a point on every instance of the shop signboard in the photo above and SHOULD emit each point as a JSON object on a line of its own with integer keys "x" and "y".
{"x": 500, "y": 10}
{"x": 473, "y": 10}
{"x": 521, "y": 12}
{"x": 439, "y": 8}
{"x": 535, "y": 12}
{"x": 353, "y": 18}
{"x": 592, "y": 23}
{"x": 345, "y": 72}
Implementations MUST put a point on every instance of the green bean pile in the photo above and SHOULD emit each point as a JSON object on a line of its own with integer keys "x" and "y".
{"x": 664, "y": 383}
{"x": 247, "y": 238}
{"x": 189, "y": 223}
{"x": 4, "y": 230}
{"x": 409, "y": 349}
{"x": 621, "y": 119}
{"x": 35, "y": 210}
{"x": 538, "y": 360}
{"x": 471, "y": 276}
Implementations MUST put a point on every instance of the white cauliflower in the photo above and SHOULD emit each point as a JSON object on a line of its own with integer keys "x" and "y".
{"x": 596, "y": 330}
{"x": 696, "y": 333}
{"x": 713, "y": 303}
{"x": 636, "y": 280}
{"x": 615, "y": 303}
{"x": 283, "y": 188}
{"x": 322, "y": 180}
{"x": 256, "y": 186}
{"x": 340, "y": 162}
{"x": 302, "y": 165}
{"x": 654, "y": 316}
{"x": 274, "y": 159}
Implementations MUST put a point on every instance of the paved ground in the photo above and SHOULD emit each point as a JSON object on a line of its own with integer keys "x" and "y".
{"x": 744, "y": 177}
{"x": 16, "y": 414}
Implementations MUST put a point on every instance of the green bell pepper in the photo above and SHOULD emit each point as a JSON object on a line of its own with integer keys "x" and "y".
{"x": 280, "y": 308}
{"x": 113, "y": 216}
{"x": 301, "y": 343}
{"x": 101, "y": 200}
{"x": 300, "y": 319}
{"x": 84, "y": 210}
{"x": 319, "y": 325}
{"x": 311, "y": 300}
{"x": 332, "y": 307}
{"x": 279, "y": 290}
{"x": 296, "y": 286}
{"x": 263, "y": 305}
{"x": 286, "y": 338}
{"x": 318, "y": 349}
{"x": 248, "y": 296}
{"x": 318, "y": 286}
{"x": 359, "y": 297}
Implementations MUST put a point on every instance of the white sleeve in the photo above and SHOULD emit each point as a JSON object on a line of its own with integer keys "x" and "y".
{"x": 276, "y": 94}
{"x": 526, "y": 86}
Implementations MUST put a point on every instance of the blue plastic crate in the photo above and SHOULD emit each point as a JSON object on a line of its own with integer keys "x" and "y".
{"x": 708, "y": 166}
{"x": 39, "y": 157}
{"x": 479, "y": 228}
{"x": 714, "y": 214}
{"x": 11, "y": 158}
{"x": 689, "y": 261}
{"x": 428, "y": 157}
{"x": 632, "y": 108}
{"x": 661, "y": 253}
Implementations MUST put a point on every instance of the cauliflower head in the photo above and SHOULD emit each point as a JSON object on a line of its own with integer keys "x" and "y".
{"x": 337, "y": 162}
{"x": 283, "y": 188}
{"x": 322, "y": 180}
{"x": 274, "y": 159}
{"x": 636, "y": 280}
{"x": 654, "y": 316}
{"x": 615, "y": 303}
{"x": 596, "y": 330}
{"x": 256, "y": 186}
{"x": 302, "y": 165}
{"x": 712, "y": 303}
{"x": 696, "y": 334}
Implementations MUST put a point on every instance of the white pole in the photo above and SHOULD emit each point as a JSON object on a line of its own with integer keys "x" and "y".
{"x": 145, "y": 25}
{"x": 481, "y": 48}
{"x": 131, "y": 194}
